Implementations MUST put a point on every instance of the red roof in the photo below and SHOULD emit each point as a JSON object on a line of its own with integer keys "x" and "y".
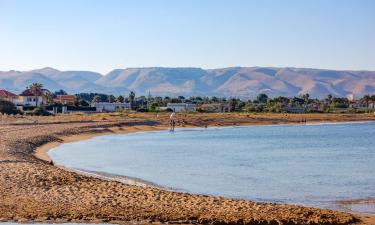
{"x": 28, "y": 92}
{"x": 66, "y": 98}
{"x": 6, "y": 94}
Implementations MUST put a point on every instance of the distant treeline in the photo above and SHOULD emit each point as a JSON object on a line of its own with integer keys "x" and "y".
{"x": 262, "y": 103}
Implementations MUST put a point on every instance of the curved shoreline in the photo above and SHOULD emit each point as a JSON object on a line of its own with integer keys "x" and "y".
{"x": 41, "y": 152}
{"x": 33, "y": 190}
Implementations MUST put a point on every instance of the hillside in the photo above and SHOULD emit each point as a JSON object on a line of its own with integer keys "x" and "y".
{"x": 245, "y": 82}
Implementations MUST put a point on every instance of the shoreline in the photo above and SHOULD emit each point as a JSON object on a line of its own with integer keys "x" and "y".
{"x": 41, "y": 152}
{"x": 33, "y": 190}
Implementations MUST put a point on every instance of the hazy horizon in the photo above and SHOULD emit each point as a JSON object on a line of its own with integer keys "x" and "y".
{"x": 105, "y": 35}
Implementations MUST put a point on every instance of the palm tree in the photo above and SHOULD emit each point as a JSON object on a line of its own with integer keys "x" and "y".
{"x": 49, "y": 96}
{"x": 36, "y": 89}
{"x": 131, "y": 99}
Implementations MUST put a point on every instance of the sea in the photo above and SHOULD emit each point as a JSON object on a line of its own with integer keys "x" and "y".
{"x": 318, "y": 165}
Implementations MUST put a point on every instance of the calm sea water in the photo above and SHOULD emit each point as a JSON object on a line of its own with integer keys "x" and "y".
{"x": 314, "y": 165}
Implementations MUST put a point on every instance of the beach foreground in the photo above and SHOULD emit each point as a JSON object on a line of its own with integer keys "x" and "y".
{"x": 33, "y": 190}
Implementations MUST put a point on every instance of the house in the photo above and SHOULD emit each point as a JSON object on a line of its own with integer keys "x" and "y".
{"x": 110, "y": 106}
{"x": 28, "y": 98}
{"x": 65, "y": 99}
{"x": 8, "y": 96}
{"x": 215, "y": 107}
{"x": 182, "y": 107}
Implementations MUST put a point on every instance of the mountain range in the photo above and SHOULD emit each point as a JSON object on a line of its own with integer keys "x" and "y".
{"x": 243, "y": 82}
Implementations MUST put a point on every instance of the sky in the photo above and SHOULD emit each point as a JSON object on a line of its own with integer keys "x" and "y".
{"x": 109, "y": 34}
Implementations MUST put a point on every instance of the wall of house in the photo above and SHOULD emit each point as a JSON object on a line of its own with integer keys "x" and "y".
{"x": 29, "y": 100}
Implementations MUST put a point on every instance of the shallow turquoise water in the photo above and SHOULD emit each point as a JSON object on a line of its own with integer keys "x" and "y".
{"x": 314, "y": 165}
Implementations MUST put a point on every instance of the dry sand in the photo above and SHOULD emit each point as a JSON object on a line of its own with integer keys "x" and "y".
{"x": 32, "y": 189}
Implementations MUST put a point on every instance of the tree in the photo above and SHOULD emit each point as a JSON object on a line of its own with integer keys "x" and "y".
{"x": 214, "y": 99}
{"x": 306, "y": 98}
{"x": 36, "y": 89}
{"x": 60, "y": 92}
{"x": 340, "y": 103}
{"x": 49, "y": 96}
{"x": 281, "y": 100}
{"x": 131, "y": 99}
{"x": 176, "y": 100}
{"x": 329, "y": 99}
{"x": 97, "y": 99}
{"x": 120, "y": 99}
{"x": 83, "y": 103}
{"x": 366, "y": 99}
{"x": 76, "y": 101}
{"x": 262, "y": 98}
{"x": 233, "y": 103}
{"x": 373, "y": 100}
{"x": 111, "y": 98}
{"x": 7, "y": 107}
{"x": 295, "y": 101}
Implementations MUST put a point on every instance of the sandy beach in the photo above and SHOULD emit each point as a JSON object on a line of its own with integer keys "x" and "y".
{"x": 32, "y": 189}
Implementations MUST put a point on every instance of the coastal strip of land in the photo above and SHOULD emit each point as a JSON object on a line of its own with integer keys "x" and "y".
{"x": 32, "y": 189}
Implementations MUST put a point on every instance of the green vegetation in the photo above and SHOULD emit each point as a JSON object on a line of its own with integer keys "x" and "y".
{"x": 7, "y": 107}
{"x": 40, "y": 111}
{"x": 262, "y": 103}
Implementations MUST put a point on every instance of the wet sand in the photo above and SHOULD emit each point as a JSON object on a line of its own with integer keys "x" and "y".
{"x": 33, "y": 190}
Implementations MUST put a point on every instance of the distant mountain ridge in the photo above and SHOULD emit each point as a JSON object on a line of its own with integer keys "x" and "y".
{"x": 243, "y": 82}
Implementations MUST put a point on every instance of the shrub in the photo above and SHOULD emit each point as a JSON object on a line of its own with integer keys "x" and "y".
{"x": 7, "y": 107}
{"x": 40, "y": 111}
{"x": 142, "y": 110}
{"x": 368, "y": 110}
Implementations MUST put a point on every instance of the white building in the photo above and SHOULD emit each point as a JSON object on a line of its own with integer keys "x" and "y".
{"x": 110, "y": 106}
{"x": 182, "y": 107}
{"x": 28, "y": 98}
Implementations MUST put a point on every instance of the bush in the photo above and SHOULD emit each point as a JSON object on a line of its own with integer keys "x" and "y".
{"x": 40, "y": 111}
{"x": 142, "y": 110}
{"x": 368, "y": 110}
{"x": 84, "y": 103}
{"x": 7, "y": 107}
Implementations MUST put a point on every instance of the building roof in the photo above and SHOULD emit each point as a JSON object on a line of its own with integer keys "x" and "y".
{"x": 6, "y": 94}
{"x": 28, "y": 92}
{"x": 66, "y": 97}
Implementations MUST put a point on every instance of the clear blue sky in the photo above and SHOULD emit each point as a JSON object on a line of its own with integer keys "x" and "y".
{"x": 104, "y": 35}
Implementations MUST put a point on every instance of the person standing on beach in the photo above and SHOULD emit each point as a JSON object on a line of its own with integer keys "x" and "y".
{"x": 172, "y": 121}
